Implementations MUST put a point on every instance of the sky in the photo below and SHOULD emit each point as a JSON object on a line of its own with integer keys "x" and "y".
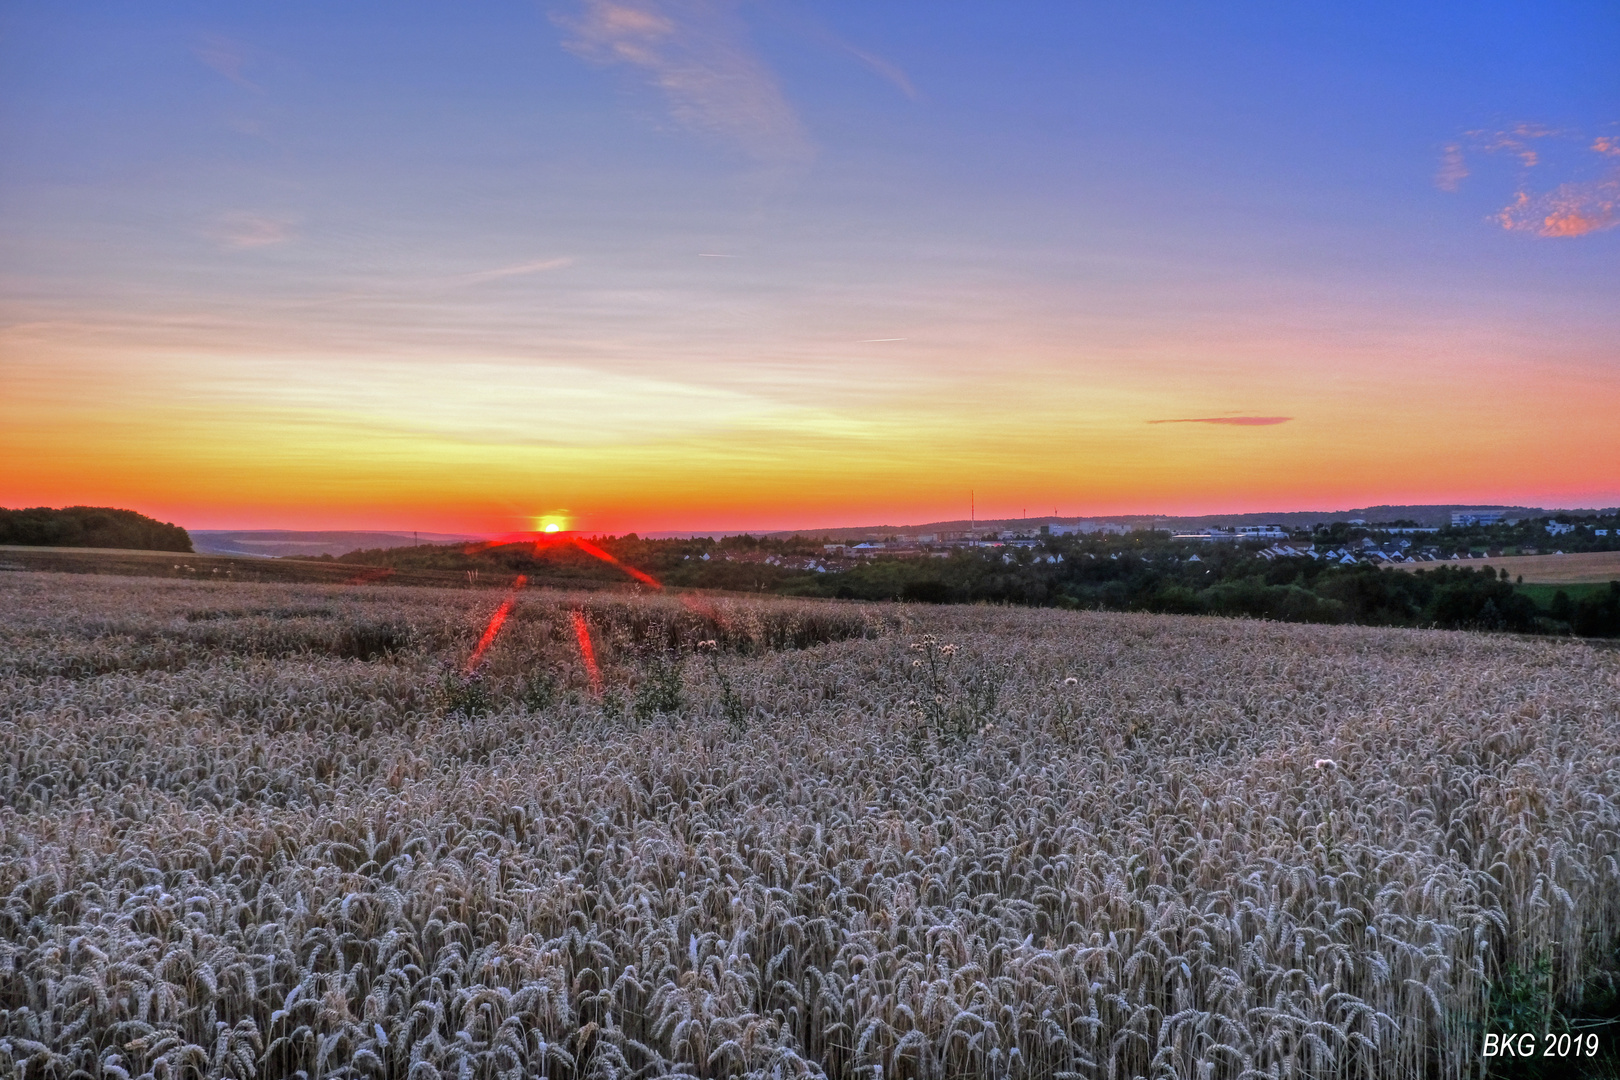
{"x": 697, "y": 264}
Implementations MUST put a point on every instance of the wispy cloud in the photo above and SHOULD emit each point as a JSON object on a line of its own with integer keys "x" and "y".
{"x": 1236, "y": 421}
{"x": 226, "y": 57}
{"x": 1572, "y": 208}
{"x": 698, "y": 54}
{"x": 887, "y": 70}
{"x": 499, "y": 401}
{"x": 1453, "y": 169}
{"x": 517, "y": 270}
{"x": 810, "y": 28}
{"x": 391, "y": 290}
{"x": 241, "y": 231}
{"x": 1518, "y": 140}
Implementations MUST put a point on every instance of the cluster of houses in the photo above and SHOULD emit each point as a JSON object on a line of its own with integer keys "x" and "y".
{"x": 1394, "y": 547}
{"x": 930, "y": 544}
{"x": 1240, "y": 532}
{"x": 1288, "y": 551}
{"x": 837, "y": 557}
{"x": 1367, "y": 551}
{"x": 1349, "y": 554}
{"x": 788, "y": 562}
{"x": 1087, "y": 528}
{"x": 900, "y": 547}
{"x": 939, "y": 544}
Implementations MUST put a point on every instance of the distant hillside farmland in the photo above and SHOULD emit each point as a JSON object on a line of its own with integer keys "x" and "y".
{"x": 1574, "y": 568}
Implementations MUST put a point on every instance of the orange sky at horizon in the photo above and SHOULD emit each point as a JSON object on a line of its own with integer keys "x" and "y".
{"x": 223, "y": 459}
{"x": 455, "y": 269}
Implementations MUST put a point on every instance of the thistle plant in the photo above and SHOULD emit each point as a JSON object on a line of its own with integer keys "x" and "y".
{"x": 954, "y": 708}
{"x": 731, "y": 705}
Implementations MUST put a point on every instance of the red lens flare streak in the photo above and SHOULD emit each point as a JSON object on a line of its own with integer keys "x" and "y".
{"x": 581, "y": 631}
{"x": 544, "y": 540}
{"x": 692, "y": 604}
{"x": 591, "y": 549}
{"x": 587, "y": 651}
{"x": 496, "y": 621}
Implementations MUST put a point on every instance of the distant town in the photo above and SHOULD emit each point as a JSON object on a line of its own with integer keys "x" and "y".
{"x": 1379, "y": 534}
{"x": 1468, "y": 534}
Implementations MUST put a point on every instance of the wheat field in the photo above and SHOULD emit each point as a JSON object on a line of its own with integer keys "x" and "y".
{"x": 275, "y": 831}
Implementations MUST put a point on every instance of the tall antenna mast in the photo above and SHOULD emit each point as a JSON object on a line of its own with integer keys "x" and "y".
{"x": 973, "y": 520}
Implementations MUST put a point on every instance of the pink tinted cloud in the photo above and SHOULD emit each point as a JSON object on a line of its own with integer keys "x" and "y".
{"x": 1572, "y": 208}
{"x": 244, "y": 230}
{"x": 698, "y": 54}
{"x": 1515, "y": 140}
{"x": 1568, "y": 210}
{"x": 1235, "y": 421}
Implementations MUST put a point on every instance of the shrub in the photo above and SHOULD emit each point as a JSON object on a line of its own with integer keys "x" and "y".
{"x": 372, "y": 641}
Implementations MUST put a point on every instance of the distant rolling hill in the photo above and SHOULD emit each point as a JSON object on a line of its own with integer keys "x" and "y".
{"x": 1433, "y": 515}
{"x": 271, "y": 543}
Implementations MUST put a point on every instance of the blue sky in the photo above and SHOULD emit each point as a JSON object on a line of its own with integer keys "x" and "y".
{"x": 752, "y": 260}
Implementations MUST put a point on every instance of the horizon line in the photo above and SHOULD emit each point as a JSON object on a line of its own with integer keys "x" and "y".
{"x": 666, "y": 533}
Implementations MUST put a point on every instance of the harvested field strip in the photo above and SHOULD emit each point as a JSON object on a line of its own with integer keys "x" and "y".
{"x": 1579, "y": 566}
{"x": 180, "y": 566}
{"x": 1543, "y": 594}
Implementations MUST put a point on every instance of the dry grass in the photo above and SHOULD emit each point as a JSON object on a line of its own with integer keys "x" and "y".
{"x": 180, "y": 566}
{"x": 1079, "y": 844}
